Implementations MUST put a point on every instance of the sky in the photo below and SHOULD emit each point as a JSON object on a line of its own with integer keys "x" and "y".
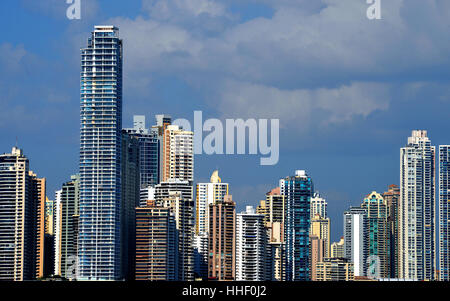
{"x": 347, "y": 90}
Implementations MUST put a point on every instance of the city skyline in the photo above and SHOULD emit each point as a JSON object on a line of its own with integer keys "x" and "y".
{"x": 386, "y": 68}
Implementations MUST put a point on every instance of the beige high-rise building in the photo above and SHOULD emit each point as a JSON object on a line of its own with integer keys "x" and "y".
{"x": 337, "y": 249}
{"x": 317, "y": 249}
{"x": 273, "y": 210}
{"x": 22, "y": 200}
{"x": 334, "y": 269}
{"x": 49, "y": 216}
{"x": 178, "y": 152}
{"x": 320, "y": 227}
{"x": 38, "y": 193}
{"x": 274, "y": 216}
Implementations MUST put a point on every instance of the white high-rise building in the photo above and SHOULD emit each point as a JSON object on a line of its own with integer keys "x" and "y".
{"x": 417, "y": 208}
{"x": 57, "y": 227}
{"x": 251, "y": 246}
{"x": 318, "y": 206}
{"x": 355, "y": 239}
{"x": 99, "y": 252}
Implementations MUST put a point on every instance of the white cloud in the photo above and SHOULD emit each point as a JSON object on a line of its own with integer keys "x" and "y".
{"x": 303, "y": 108}
{"x": 169, "y": 9}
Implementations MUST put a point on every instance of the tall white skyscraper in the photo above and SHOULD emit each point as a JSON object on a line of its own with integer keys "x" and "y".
{"x": 251, "y": 246}
{"x": 355, "y": 239}
{"x": 417, "y": 208}
{"x": 99, "y": 249}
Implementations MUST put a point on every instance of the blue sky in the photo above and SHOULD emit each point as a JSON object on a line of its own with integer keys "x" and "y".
{"x": 347, "y": 90}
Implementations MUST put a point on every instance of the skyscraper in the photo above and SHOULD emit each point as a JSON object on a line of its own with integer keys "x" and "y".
{"x": 163, "y": 189}
{"x": 162, "y": 122}
{"x": 317, "y": 249}
{"x": 318, "y": 206}
{"x": 273, "y": 209}
{"x": 297, "y": 191}
{"x": 417, "y": 208}
{"x": 182, "y": 210}
{"x": 22, "y": 197}
{"x": 49, "y": 216}
{"x": 444, "y": 212}
{"x": 148, "y": 151}
{"x": 251, "y": 246}
{"x": 178, "y": 154}
{"x": 38, "y": 194}
{"x": 335, "y": 269}
{"x": 66, "y": 211}
{"x": 392, "y": 198}
{"x": 222, "y": 240}
{"x": 337, "y": 249}
{"x": 100, "y": 156}
{"x": 207, "y": 193}
{"x": 320, "y": 227}
{"x": 130, "y": 199}
{"x": 378, "y": 231}
{"x": 49, "y": 239}
{"x": 355, "y": 239}
{"x": 320, "y": 242}
{"x": 156, "y": 244}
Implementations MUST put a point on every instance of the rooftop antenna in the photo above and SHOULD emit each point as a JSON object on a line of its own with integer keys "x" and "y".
{"x": 17, "y": 142}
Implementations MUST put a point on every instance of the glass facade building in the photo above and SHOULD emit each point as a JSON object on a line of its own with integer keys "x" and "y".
{"x": 297, "y": 191}
{"x": 100, "y": 156}
{"x": 148, "y": 151}
{"x": 378, "y": 233}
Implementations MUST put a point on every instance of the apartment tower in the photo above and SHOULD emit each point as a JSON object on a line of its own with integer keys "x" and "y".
{"x": 99, "y": 252}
